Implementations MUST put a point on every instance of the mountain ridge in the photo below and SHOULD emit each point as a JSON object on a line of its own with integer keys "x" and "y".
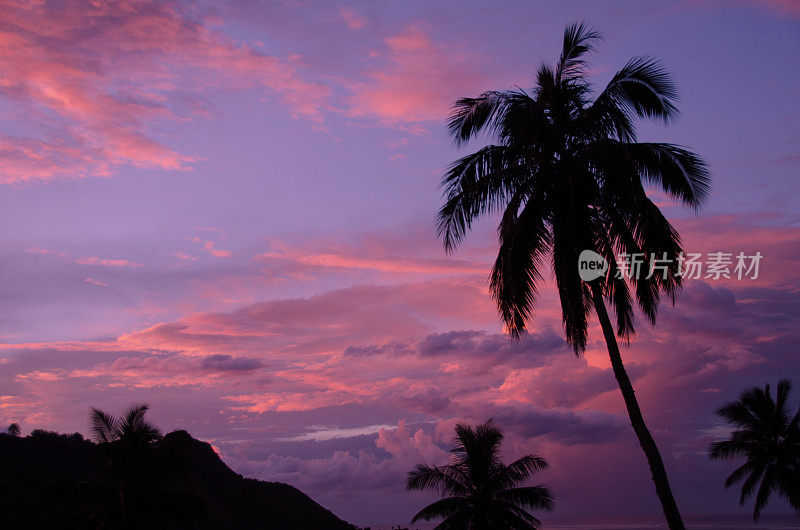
{"x": 232, "y": 501}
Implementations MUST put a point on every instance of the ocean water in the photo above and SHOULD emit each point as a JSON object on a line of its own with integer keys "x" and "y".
{"x": 698, "y": 522}
{"x": 704, "y": 522}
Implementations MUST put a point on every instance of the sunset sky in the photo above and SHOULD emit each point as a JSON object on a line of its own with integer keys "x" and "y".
{"x": 226, "y": 209}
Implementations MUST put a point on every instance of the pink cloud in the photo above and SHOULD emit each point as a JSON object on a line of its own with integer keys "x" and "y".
{"x": 94, "y": 260}
{"x": 785, "y": 8}
{"x": 410, "y": 448}
{"x": 290, "y": 402}
{"x": 184, "y": 256}
{"x": 341, "y": 472}
{"x": 346, "y": 471}
{"x": 354, "y": 260}
{"x": 85, "y": 260}
{"x": 734, "y": 234}
{"x": 210, "y": 247}
{"x": 789, "y": 8}
{"x": 417, "y": 82}
{"x": 352, "y": 18}
{"x": 101, "y": 76}
{"x": 46, "y": 252}
{"x": 409, "y": 253}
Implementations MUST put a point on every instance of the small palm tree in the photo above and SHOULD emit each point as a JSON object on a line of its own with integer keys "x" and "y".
{"x": 132, "y": 428}
{"x": 568, "y": 174}
{"x": 129, "y": 442}
{"x": 481, "y": 492}
{"x": 140, "y": 495}
{"x": 14, "y": 430}
{"x": 768, "y": 437}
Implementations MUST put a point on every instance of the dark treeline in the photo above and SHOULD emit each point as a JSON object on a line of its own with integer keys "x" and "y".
{"x": 132, "y": 477}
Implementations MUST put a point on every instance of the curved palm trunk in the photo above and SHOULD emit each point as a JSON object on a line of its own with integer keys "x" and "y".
{"x": 649, "y": 446}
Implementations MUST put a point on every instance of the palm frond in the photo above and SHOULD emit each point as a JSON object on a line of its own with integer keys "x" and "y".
{"x": 739, "y": 473}
{"x": 572, "y": 233}
{"x": 658, "y": 240}
{"x": 458, "y": 521}
{"x": 750, "y": 483}
{"x": 533, "y": 497}
{"x": 524, "y": 124}
{"x": 441, "y": 508}
{"x": 520, "y": 470}
{"x": 517, "y": 271}
{"x": 579, "y": 40}
{"x": 134, "y": 424}
{"x": 444, "y": 479}
{"x": 514, "y": 518}
{"x": 477, "y": 449}
{"x": 728, "y": 449}
{"x": 475, "y": 185}
{"x": 737, "y": 412}
{"x": 471, "y": 116}
{"x": 794, "y": 424}
{"x": 643, "y": 88}
{"x": 679, "y": 172}
{"x": 104, "y": 425}
{"x": 616, "y": 287}
{"x": 764, "y": 490}
{"x": 781, "y": 402}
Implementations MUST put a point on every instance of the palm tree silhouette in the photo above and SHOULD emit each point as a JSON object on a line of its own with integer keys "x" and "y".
{"x": 481, "y": 492}
{"x": 569, "y": 175}
{"x": 142, "y": 494}
{"x": 769, "y": 438}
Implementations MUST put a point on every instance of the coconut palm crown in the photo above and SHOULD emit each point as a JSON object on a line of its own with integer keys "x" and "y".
{"x": 480, "y": 492}
{"x": 768, "y": 437}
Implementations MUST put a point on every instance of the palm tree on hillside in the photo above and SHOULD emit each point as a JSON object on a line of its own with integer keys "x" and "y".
{"x": 481, "y": 493}
{"x": 142, "y": 493}
{"x": 568, "y": 174}
{"x": 768, "y": 437}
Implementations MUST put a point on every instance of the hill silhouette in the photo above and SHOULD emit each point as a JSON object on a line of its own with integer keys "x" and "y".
{"x": 29, "y": 464}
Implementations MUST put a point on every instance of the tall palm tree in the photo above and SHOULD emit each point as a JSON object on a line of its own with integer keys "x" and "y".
{"x": 481, "y": 492}
{"x": 568, "y": 174}
{"x": 142, "y": 494}
{"x": 769, "y": 438}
